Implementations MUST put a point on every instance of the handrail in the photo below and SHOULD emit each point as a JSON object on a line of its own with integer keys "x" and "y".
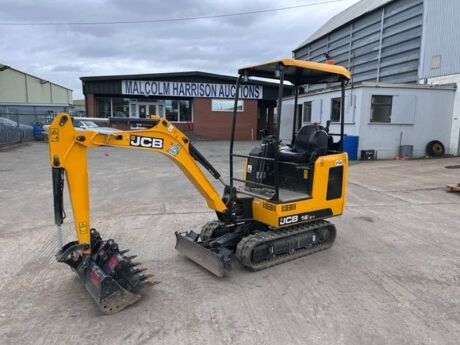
{"x": 255, "y": 157}
{"x": 254, "y": 183}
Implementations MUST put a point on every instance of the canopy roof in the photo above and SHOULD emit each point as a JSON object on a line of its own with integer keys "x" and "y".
{"x": 298, "y": 72}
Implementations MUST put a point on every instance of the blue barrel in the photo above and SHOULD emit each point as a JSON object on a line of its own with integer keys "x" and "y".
{"x": 350, "y": 146}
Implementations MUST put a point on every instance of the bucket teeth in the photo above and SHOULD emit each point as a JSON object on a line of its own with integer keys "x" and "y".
{"x": 149, "y": 283}
{"x": 146, "y": 276}
{"x": 112, "y": 279}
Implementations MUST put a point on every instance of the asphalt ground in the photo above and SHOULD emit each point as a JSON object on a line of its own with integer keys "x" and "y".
{"x": 392, "y": 276}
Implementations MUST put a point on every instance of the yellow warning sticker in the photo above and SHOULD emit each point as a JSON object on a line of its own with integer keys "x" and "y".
{"x": 54, "y": 134}
{"x": 83, "y": 226}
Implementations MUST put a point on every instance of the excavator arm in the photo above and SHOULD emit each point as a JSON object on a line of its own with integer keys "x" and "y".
{"x": 68, "y": 148}
{"x": 113, "y": 280}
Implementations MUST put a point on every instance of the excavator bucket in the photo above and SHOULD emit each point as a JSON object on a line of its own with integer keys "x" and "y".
{"x": 112, "y": 279}
{"x": 211, "y": 257}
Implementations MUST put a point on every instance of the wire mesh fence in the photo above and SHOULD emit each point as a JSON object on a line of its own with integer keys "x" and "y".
{"x": 16, "y": 128}
{"x": 20, "y": 124}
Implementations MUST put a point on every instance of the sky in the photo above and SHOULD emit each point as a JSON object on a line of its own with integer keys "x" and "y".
{"x": 64, "y": 53}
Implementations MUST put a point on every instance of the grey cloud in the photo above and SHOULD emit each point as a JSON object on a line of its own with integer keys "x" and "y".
{"x": 66, "y": 68}
{"x": 64, "y": 53}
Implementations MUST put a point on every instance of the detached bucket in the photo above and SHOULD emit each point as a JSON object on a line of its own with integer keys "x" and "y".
{"x": 406, "y": 151}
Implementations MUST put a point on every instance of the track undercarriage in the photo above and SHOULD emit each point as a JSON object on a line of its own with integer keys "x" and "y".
{"x": 255, "y": 246}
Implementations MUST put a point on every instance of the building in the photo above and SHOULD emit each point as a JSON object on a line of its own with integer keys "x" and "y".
{"x": 25, "y": 94}
{"x": 384, "y": 116}
{"x": 394, "y": 41}
{"x": 26, "y": 100}
{"x": 199, "y": 103}
{"x": 79, "y": 107}
{"x": 440, "y": 58}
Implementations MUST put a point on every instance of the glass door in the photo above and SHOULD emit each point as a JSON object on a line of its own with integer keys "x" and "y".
{"x": 144, "y": 109}
{"x": 153, "y": 109}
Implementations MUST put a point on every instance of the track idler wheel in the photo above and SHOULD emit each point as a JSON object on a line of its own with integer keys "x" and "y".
{"x": 109, "y": 274}
{"x": 212, "y": 229}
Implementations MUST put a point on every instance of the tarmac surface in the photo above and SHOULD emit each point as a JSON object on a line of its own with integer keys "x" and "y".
{"x": 392, "y": 277}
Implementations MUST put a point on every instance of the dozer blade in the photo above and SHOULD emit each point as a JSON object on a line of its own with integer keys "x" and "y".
{"x": 215, "y": 260}
{"x": 112, "y": 280}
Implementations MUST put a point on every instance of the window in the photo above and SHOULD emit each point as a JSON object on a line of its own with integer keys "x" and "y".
{"x": 335, "y": 109}
{"x": 226, "y": 105}
{"x": 172, "y": 110}
{"x": 185, "y": 111}
{"x": 177, "y": 111}
{"x": 306, "y": 112}
{"x": 381, "y": 108}
{"x": 298, "y": 118}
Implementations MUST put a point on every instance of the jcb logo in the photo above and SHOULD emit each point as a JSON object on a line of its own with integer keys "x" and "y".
{"x": 289, "y": 220}
{"x": 154, "y": 143}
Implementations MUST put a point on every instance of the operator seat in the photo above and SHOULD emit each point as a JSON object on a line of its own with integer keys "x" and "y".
{"x": 309, "y": 142}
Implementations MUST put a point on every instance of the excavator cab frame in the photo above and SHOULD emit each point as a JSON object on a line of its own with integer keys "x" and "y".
{"x": 299, "y": 73}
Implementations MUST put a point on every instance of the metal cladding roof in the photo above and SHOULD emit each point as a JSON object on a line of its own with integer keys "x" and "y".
{"x": 351, "y": 13}
{"x": 4, "y": 67}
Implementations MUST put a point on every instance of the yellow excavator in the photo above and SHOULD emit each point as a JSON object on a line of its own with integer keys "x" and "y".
{"x": 275, "y": 213}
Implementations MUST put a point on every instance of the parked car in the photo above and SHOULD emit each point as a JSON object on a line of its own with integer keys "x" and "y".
{"x": 91, "y": 125}
{"x": 84, "y": 125}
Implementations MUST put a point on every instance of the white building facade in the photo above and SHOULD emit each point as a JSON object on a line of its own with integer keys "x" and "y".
{"x": 384, "y": 116}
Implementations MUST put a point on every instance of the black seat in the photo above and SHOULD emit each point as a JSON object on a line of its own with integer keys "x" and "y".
{"x": 309, "y": 142}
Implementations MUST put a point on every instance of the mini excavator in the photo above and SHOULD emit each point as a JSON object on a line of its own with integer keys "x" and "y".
{"x": 276, "y": 213}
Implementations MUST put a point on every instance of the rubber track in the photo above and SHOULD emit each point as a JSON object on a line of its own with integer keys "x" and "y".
{"x": 207, "y": 231}
{"x": 246, "y": 245}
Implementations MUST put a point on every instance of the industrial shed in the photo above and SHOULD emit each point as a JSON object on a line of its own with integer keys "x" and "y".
{"x": 394, "y": 42}
{"x": 25, "y": 94}
{"x": 26, "y": 100}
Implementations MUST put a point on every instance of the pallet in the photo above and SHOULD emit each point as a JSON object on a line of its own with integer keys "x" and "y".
{"x": 453, "y": 187}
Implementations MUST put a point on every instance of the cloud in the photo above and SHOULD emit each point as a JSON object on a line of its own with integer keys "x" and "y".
{"x": 220, "y": 45}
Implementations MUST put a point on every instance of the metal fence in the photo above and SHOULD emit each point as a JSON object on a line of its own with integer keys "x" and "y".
{"x": 20, "y": 123}
{"x": 16, "y": 128}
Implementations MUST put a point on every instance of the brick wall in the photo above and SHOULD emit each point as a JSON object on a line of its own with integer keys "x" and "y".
{"x": 89, "y": 104}
{"x": 217, "y": 124}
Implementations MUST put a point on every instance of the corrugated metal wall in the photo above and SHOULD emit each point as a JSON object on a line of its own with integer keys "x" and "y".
{"x": 383, "y": 45}
{"x": 441, "y": 39}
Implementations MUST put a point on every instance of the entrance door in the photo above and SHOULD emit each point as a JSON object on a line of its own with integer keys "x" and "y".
{"x": 144, "y": 109}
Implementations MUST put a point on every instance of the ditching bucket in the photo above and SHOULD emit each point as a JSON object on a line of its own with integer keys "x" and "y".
{"x": 112, "y": 279}
{"x": 215, "y": 260}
